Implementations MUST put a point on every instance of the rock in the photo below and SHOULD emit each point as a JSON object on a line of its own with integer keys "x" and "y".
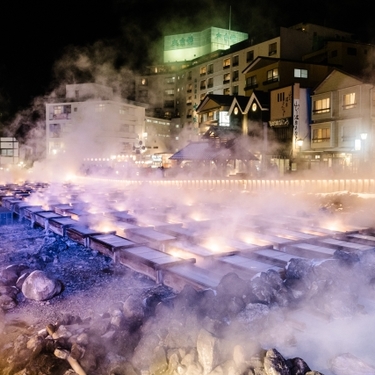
{"x": 158, "y": 361}
{"x": 7, "y": 302}
{"x": 348, "y": 364}
{"x": 232, "y": 285}
{"x": 133, "y": 309}
{"x": 38, "y": 286}
{"x": 207, "y": 351}
{"x": 275, "y": 364}
{"x": 297, "y": 366}
{"x": 9, "y": 276}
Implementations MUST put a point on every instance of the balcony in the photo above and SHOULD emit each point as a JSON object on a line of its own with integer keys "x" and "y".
{"x": 270, "y": 81}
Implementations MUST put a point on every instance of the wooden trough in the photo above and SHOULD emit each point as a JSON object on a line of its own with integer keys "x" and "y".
{"x": 80, "y": 233}
{"x": 107, "y": 244}
{"x": 60, "y": 225}
{"x": 310, "y": 251}
{"x": 150, "y": 237}
{"x": 178, "y": 276}
{"x": 271, "y": 256}
{"x": 249, "y": 266}
{"x": 337, "y": 244}
{"x": 42, "y": 218}
{"x": 187, "y": 250}
{"x": 148, "y": 261}
{"x": 6, "y": 216}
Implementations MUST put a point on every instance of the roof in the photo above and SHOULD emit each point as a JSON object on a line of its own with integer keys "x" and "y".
{"x": 206, "y": 150}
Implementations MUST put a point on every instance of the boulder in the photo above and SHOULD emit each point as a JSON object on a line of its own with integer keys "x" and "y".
{"x": 40, "y": 287}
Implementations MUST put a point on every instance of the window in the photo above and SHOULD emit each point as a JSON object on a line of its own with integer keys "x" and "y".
{"x": 251, "y": 81}
{"x": 321, "y": 135}
{"x": 272, "y": 49}
{"x": 226, "y": 63}
{"x": 60, "y": 112}
{"x": 189, "y": 88}
{"x": 226, "y": 78}
{"x": 235, "y": 60}
{"x": 334, "y": 53}
{"x": 170, "y": 80}
{"x": 169, "y": 92}
{"x": 235, "y": 76}
{"x": 321, "y": 106}
{"x": 210, "y": 69}
{"x": 189, "y": 75}
{"x": 281, "y": 96}
{"x": 189, "y": 100}
{"x": 349, "y": 101}
{"x": 249, "y": 56}
{"x": 100, "y": 107}
{"x": 235, "y": 90}
{"x": 203, "y": 85}
{"x": 273, "y": 75}
{"x": 203, "y": 70}
{"x": 351, "y": 51}
{"x": 202, "y": 96}
{"x": 210, "y": 82}
{"x": 226, "y": 91}
{"x": 54, "y": 130}
{"x": 300, "y": 73}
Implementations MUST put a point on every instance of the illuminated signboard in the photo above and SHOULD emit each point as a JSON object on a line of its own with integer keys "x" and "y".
{"x": 224, "y": 118}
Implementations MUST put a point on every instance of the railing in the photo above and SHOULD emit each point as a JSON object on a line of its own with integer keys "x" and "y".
{"x": 365, "y": 186}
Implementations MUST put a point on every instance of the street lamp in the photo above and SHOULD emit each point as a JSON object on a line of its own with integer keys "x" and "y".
{"x": 299, "y": 143}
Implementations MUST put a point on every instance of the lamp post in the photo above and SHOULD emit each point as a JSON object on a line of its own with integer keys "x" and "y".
{"x": 299, "y": 143}
{"x": 363, "y": 139}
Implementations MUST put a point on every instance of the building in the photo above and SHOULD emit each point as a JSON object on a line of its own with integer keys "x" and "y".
{"x": 342, "y": 124}
{"x": 175, "y": 88}
{"x": 89, "y": 124}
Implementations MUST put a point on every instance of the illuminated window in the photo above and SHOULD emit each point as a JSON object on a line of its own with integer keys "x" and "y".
{"x": 349, "y": 101}
{"x": 203, "y": 70}
{"x": 100, "y": 107}
{"x": 170, "y": 80}
{"x": 226, "y": 91}
{"x": 300, "y": 73}
{"x": 189, "y": 88}
{"x": 321, "y": 135}
{"x": 144, "y": 82}
{"x": 202, "y": 96}
{"x": 169, "y": 92}
{"x": 272, "y": 49}
{"x": 226, "y": 63}
{"x": 249, "y": 56}
{"x": 226, "y": 78}
{"x": 223, "y": 118}
{"x": 273, "y": 75}
{"x": 61, "y": 112}
{"x": 321, "y": 105}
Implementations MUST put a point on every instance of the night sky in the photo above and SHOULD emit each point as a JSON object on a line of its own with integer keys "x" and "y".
{"x": 42, "y": 42}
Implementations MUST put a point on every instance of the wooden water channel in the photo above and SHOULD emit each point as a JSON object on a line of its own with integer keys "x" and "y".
{"x": 176, "y": 253}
